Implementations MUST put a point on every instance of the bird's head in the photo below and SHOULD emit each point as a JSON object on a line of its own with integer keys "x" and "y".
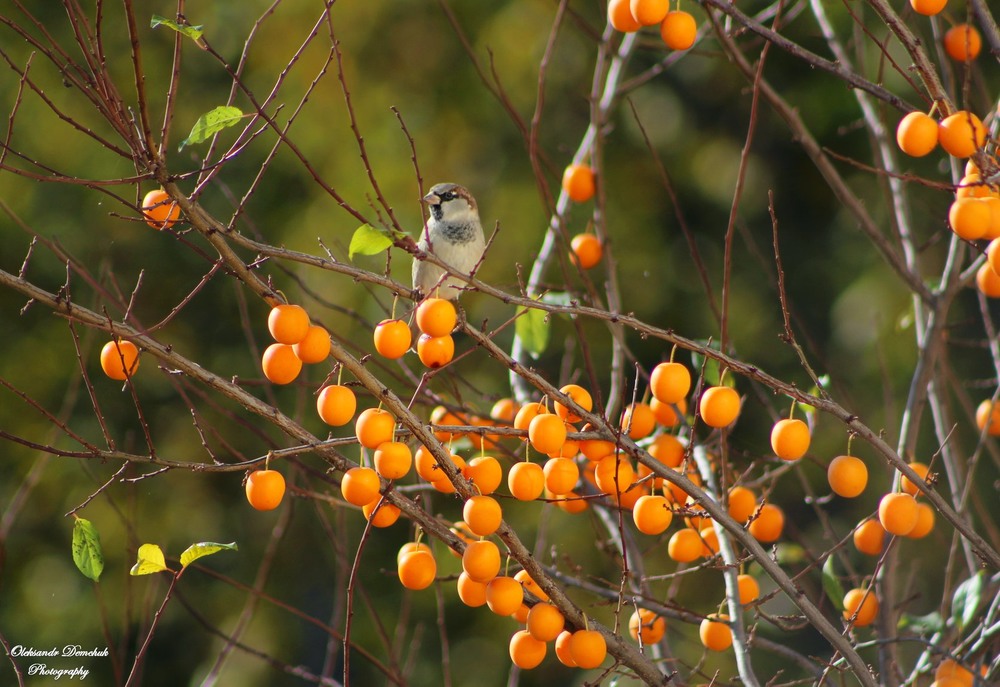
{"x": 452, "y": 203}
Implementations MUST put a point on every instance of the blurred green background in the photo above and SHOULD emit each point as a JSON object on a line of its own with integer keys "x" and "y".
{"x": 851, "y": 314}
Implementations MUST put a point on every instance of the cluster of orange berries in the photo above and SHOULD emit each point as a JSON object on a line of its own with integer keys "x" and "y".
{"x": 436, "y": 319}
{"x": 297, "y": 341}
{"x": 578, "y": 182}
{"x": 678, "y": 28}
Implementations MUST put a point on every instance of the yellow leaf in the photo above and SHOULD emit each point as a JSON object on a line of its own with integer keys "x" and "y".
{"x": 150, "y": 560}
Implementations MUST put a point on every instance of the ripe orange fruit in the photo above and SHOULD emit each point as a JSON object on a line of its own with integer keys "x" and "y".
{"x": 970, "y": 218}
{"x": 526, "y": 481}
{"x": 972, "y": 185}
{"x": 504, "y": 595}
{"x": 595, "y": 449}
{"x": 481, "y": 560}
{"x": 666, "y": 414}
{"x": 917, "y": 134}
{"x": 949, "y": 669}
{"x": 483, "y": 515}
{"x": 393, "y": 460}
{"x": 649, "y": 12}
{"x": 614, "y": 474}
{"x": 962, "y": 42}
{"x": 336, "y": 404}
{"x": 530, "y": 585}
{"x": 315, "y": 347}
{"x": 578, "y": 182}
{"x": 392, "y": 338}
{"x": 869, "y": 537}
{"x": 638, "y": 420}
{"x": 426, "y": 464}
{"x": 679, "y": 30}
{"x": 441, "y": 481}
{"x": 417, "y": 569}
{"x": 715, "y": 633}
{"x": 646, "y": 625}
{"x": 485, "y": 473}
{"x": 471, "y": 593}
{"x": 862, "y": 602}
{"x": 768, "y": 525}
{"x": 709, "y": 541}
{"x": 697, "y": 517}
{"x": 411, "y": 546}
{"x": 526, "y": 413}
{"x": 360, "y": 486}
{"x": 749, "y": 588}
{"x": 436, "y": 317}
{"x": 588, "y": 648}
{"x": 383, "y": 515}
{"x": 561, "y": 475}
{"x": 988, "y": 281}
{"x": 280, "y": 364}
{"x": 928, "y": 8}
{"x": 504, "y": 411}
{"x": 526, "y": 652}
{"x": 667, "y": 449}
{"x": 961, "y": 134}
{"x": 265, "y": 489}
{"x": 545, "y": 622}
{"x": 586, "y": 250}
{"x": 685, "y": 545}
{"x": 288, "y": 323}
{"x": 909, "y": 487}
{"x": 988, "y": 412}
{"x": 993, "y": 202}
{"x": 790, "y": 439}
{"x": 925, "y": 521}
{"x": 651, "y": 514}
{"x": 898, "y": 513}
{"x": 719, "y": 406}
{"x": 119, "y": 359}
{"x": 160, "y": 211}
{"x": 580, "y": 396}
{"x": 847, "y": 476}
{"x": 374, "y": 427}
{"x": 670, "y": 382}
{"x": 547, "y": 433}
{"x": 435, "y": 351}
{"x": 742, "y": 503}
{"x": 565, "y": 638}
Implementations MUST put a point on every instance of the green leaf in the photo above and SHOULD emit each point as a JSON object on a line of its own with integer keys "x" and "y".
{"x": 831, "y": 585}
{"x": 921, "y": 624}
{"x": 368, "y": 240}
{"x": 149, "y": 560}
{"x": 87, "y": 552}
{"x": 211, "y": 123}
{"x": 557, "y": 298}
{"x": 709, "y": 367}
{"x": 192, "y": 32}
{"x": 532, "y": 327}
{"x": 205, "y": 548}
{"x": 966, "y": 600}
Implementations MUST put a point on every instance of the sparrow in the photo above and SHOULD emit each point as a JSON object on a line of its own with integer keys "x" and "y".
{"x": 454, "y": 234}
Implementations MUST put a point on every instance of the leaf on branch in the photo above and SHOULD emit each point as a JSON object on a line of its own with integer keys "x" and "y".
{"x": 211, "y": 123}
{"x": 192, "y": 32}
{"x": 557, "y": 298}
{"x": 710, "y": 367}
{"x": 149, "y": 560}
{"x": 205, "y": 548}
{"x": 87, "y": 552}
{"x": 368, "y": 240}
{"x": 966, "y": 600}
{"x": 831, "y": 585}
{"x": 532, "y": 327}
{"x": 921, "y": 624}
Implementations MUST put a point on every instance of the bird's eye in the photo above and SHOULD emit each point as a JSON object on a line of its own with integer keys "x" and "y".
{"x": 448, "y": 195}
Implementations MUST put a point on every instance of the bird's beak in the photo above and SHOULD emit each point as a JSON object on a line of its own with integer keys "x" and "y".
{"x": 432, "y": 199}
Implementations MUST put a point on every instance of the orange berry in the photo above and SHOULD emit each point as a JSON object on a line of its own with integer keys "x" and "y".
{"x": 719, "y": 406}
{"x": 685, "y": 545}
{"x": 485, "y": 472}
{"x": 679, "y": 30}
{"x": 436, "y": 317}
{"x": 917, "y": 134}
{"x": 970, "y": 218}
{"x": 315, "y": 347}
{"x": 651, "y": 514}
{"x": 749, "y": 588}
{"x": 527, "y": 413}
{"x": 288, "y": 323}
{"x": 863, "y": 603}
{"x": 336, "y": 404}
{"x": 571, "y": 502}
{"x": 586, "y": 250}
{"x": 649, "y": 12}
{"x": 119, "y": 359}
{"x": 265, "y": 489}
{"x": 638, "y": 420}
{"x": 504, "y": 411}
{"x": 442, "y": 482}
{"x": 393, "y": 460}
{"x": 588, "y": 648}
{"x": 417, "y": 569}
{"x": 526, "y": 481}
{"x": 435, "y": 351}
{"x": 614, "y": 474}
{"x": 547, "y": 433}
{"x": 530, "y": 585}
{"x": 646, "y": 625}
{"x": 909, "y": 487}
{"x": 670, "y": 382}
{"x": 545, "y": 622}
{"x": 442, "y": 416}
{"x": 483, "y": 515}
{"x": 280, "y": 364}
{"x": 578, "y": 182}
{"x": 504, "y": 595}
{"x": 561, "y": 475}
{"x": 481, "y": 560}
{"x": 847, "y": 476}
{"x": 898, "y": 513}
{"x": 742, "y": 503}
{"x": 790, "y": 438}
{"x": 709, "y": 541}
{"x": 360, "y": 486}
{"x": 928, "y": 7}
{"x": 993, "y": 203}
{"x": 392, "y": 338}
{"x": 961, "y": 134}
{"x": 972, "y": 186}
{"x": 988, "y": 413}
{"x": 768, "y": 525}
{"x": 595, "y": 449}
{"x": 411, "y": 546}
{"x": 925, "y": 521}
{"x": 949, "y": 669}
{"x": 160, "y": 211}
{"x": 869, "y": 537}
{"x": 374, "y": 427}
{"x": 666, "y": 414}
{"x": 962, "y": 42}
{"x": 380, "y": 513}
{"x": 988, "y": 281}
{"x": 675, "y": 493}
{"x": 526, "y": 652}
{"x": 472, "y": 593}
{"x": 580, "y": 396}
{"x": 715, "y": 633}
{"x": 565, "y": 638}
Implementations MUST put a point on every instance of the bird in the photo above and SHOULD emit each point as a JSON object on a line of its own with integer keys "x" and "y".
{"x": 454, "y": 234}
